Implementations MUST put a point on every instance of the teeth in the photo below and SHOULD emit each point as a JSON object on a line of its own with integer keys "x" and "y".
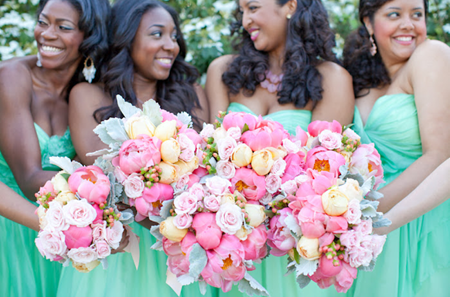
{"x": 165, "y": 61}
{"x": 254, "y": 33}
{"x": 404, "y": 38}
{"x": 50, "y": 49}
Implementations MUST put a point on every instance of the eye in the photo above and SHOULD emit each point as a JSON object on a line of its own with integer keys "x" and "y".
{"x": 393, "y": 15}
{"x": 174, "y": 36}
{"x": 41, "y": 23}
{"x": 418, "y": 14}
{"x": 65, "y": 28}
{"x": 156, "y": 34}
{"x": 252, "y": 8}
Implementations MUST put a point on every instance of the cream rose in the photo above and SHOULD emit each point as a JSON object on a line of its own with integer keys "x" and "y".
{"x": 170, "y": 231}
{"x": 242, "y": 234}
{"x": 227, "y": 198}
{"x": 262, "y": 162}
{"x": 41, "y": 211}
{"x": 139, "y": 124}
{"x": 308, "y": 248}
{"x": 242, "y": 155}
{"x": 187, "y": 167}
{"x": 166, "y": 130}
{"x": 352, "y": 190}
{"x": 334, "y": 202}
{"x": 256, "y": 214}
{"x": 219, "y": 133}
{"x": 64, "y": 197}
{"x": 59, "y": 183}
{"x": 169, "y": 173}
{"x": 170, "y": 151}
{"x": 85, "y": 267}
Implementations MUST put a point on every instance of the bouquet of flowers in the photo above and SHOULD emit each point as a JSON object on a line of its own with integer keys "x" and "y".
{"x": 78, "y": 218}
{"x": 152, "y": 151}
{"x": 322, "y": 219}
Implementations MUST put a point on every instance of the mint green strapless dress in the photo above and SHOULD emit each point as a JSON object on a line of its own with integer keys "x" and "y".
{"x": 23, "y": 271}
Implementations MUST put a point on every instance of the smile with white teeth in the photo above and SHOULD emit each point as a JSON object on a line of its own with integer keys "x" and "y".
{"x": 409, "y": 38}
{"x": 254, "y": 33}
{"x": 165, "y": 61}
{"x": 50, "y": 49}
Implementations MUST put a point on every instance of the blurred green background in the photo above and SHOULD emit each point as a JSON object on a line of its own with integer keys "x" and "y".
{"x": 205, "y": 24}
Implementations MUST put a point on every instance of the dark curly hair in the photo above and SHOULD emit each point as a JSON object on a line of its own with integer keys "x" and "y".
{"x": 175, "y": 94}
{"x": 367, "y": 71}
{"x": 93, "y": 22}
{"x": 309, "y": 41}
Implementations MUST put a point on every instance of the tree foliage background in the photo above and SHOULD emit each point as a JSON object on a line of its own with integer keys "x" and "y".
{"x": 205, "y": 24}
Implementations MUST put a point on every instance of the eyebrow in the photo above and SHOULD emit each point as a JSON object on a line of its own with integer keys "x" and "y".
{"x": 59, "y": 19}
{"x": 156, "y": 25}
{"x": 398, "y": 8}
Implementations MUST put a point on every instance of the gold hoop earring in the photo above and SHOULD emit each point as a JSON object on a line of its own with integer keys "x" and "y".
{"x": 373, "y": 49}
{"x": 89, "y": 71}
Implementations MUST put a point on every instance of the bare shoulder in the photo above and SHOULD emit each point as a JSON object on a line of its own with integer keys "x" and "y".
{"x": 430, "y": 51}
{"x": 331, "y": 70}
{"x": 16, "y": 82}
{"x": 220, "y": 64}
{"x": 85, "y": 94}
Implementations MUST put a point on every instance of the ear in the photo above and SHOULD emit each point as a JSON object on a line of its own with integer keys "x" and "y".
{"x": 368, "y": 25}
{"x": 291, "y": 7}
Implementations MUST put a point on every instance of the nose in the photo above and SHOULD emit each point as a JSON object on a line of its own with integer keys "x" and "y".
{"x": 246, "y": 20}
{"x": 169, "y": 43}
{"x": 407, "y": 23}
{"x": 49, "y": 33}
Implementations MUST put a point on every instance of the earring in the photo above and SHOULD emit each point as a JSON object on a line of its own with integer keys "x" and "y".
{"x": 288, "y": 16}
{"x": 38, "y": 62}
{"x": 89, "y": 71}
{"x": 373, "y": 49}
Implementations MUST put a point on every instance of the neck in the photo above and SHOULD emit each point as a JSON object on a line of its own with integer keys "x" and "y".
{"x": 145, "y": 89}
{"x": 276, "y": 60}
{"x": 55, "y": 80}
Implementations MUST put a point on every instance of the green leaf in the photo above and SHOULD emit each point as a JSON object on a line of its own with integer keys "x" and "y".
{"x": 66, "y": 176}
{"x": 245, "y": 128}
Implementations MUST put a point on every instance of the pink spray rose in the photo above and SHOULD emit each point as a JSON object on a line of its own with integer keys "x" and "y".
{"x": 226, "y": 147}
{"x": 82, "y": 255}
{"x": 208, "y": 234}
{"x": 55, "y": 216}
{"x": 225, "y": 169}
{"x": 102, "y": 248}
{"x": 51, "y": 244}
{"x": 114, "y": 234}
{"x": 99, "y": 231}
{"x": 316, "y": 127}
{"x": 134, "y": 186}
{"x": 79, "y": 213}
{"x": 217, "y": 185}
{"x": 138, "y": 153}
{"x": 250, "y": 184}
{"x": 90, "y": 183}
{"x": 212, "y": 202}
{"x": 185, "y": 203}
{"x": 229, "y": 218}
{"x": 353, "y": 214}
{"x": 78, "y": 237}
{"x": 330, "y": 140}
{"x": 182, "y": 221}
{"x": 273, "y": 183}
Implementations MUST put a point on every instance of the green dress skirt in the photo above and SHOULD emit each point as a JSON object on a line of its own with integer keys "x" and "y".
{"x": 23, "y": 271}
{"x": 122, "y": 279}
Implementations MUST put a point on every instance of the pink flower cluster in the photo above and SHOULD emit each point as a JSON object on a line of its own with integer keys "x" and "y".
{"x": 324, "y": 208}
{"x": 155, "y": 160}
{"x": 227, "y": 226}
{"x": 74, "y": 219}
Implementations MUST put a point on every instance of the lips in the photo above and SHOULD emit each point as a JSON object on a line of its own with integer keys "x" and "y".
{"x": 254, "y": 33}
{"x": 53, "y": 49}
{"x": 404, "y": 39}
{"x": 165, "y": 62}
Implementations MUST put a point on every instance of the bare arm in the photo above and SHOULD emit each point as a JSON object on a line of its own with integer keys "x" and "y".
{"x": 216, "y": 90}
{"x": 84, "y": 100}
{"x": 17, "y": 209}
{"x": 18, "y": 139}
{"x": 338, "y": 101}
{"x": 428, "y": 73}
{"x": 434, "y": 190}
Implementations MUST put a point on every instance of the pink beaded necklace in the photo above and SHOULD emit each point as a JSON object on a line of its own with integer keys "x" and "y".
{"x": 272, "y": 82}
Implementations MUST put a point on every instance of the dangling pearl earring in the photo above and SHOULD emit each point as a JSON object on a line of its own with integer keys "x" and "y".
{"x": 38, "y": 62}
{"x": 373, "y": 49}
{"x": 288, "y": 16}
{"x": 89, "y": 71}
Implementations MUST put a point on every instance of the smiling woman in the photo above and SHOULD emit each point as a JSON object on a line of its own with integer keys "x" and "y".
{"x": 33, "y": 127}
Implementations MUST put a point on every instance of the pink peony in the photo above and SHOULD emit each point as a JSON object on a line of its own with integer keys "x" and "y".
{"x": 99, "y": 218}
{"x": 208, "y": 233}
{"x": 90, "y": 183}
{"x": 311, "y": 222}
{"x": 294, "y": 166}
{"x": 158, "y": 192}
{"x": 316, "y": 127}
{"x": 316, "y": 183}
{"x": 301, "y": 137}
{"x": 255, "y": 244}
{"x": 344, "y": 280}
{"x": 138, "y": 153}
{"x": 239, "y": 119}
{"x": 177, "y": 262}
{"x": 336, "y": 224}
{"x": 279, "y": 236}
{"x": 264, "y": 137}
{"x": 250, "y": 184}
{"x": 78, "y": 237}
{"x": 366, "y": 161}
{"x": 327, "y": 267}
{"x": 320, "y": 159}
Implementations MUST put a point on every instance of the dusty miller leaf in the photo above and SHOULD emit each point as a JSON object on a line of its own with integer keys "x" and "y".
{"x": 303, "y": 280}
{"x": 248, "y": 285}
{"x": 293, "y": 226}
{"x": 197, "y": 260}
{"x": 306, "y": 267}
{"x": 65, "y": 164}
{"x": 127, "y": 109}
{"x": 153, "y": 111}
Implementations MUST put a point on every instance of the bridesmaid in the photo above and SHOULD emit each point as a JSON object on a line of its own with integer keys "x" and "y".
{"x": 286, "y": 71}
{"x": 401, "y": 82}
{"x": 146, "y": 61}
{"x": 33, "y": 126}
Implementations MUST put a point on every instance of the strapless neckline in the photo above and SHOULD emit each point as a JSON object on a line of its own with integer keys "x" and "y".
{"x": 248, "y": 110}
{"x": 37, "y": 127}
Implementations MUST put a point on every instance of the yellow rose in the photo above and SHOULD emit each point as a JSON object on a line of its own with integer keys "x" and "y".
{"x": 347, "y": 156}
{"x": 352, "y": 190}
{"x": 242, "y": 155}
{"x": 187, "y": 167}
{"x": 242, "y": 234}
{"x": 262, "y": 161}
{"x": 219, "y": 133}
{"x": 312, "y": 141}
{"x": 65, "y": 197}
{"x": 334, "y": 202}
{"x": 308, "y": 248}
{"x": 169, "y": 173}
{"x": 85, "y": 268}
{"x": 170, "y": 231}
{"x": 277, "y": 153}
{"x": 137, "y": 125}
{"x": 227, "y": 198}
{"x": 170, "y": 151}
{"x": 256, "y": 214}
{"x": 60, "y": 183}
{"x": 166, "y": 130}
{"x": 42, "y": 219}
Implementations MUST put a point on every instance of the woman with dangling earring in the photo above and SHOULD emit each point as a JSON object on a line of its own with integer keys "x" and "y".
{"x": 146, "y": 61}
{"x": 284, "y": 70}
{"x": 34, "y": 126}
